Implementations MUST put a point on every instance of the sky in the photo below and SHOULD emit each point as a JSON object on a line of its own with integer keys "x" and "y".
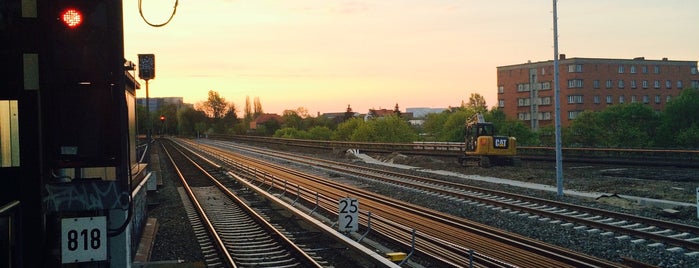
{"x": 323, "y": 55}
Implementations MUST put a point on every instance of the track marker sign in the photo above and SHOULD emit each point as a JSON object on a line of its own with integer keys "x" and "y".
{"x": 84, "y": 239}
{"x": 348, "y": 214}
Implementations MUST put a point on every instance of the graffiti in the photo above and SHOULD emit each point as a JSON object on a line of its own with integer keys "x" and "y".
{"x": 85, "y": 195}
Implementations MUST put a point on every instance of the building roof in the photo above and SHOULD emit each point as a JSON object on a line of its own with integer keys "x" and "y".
{"x": 564, "y": 60}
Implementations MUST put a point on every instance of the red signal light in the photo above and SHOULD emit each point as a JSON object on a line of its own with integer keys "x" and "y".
{"x": 71, "y": 17}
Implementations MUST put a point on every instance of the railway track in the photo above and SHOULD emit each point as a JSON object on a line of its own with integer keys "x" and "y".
{"x": 230, "y": 231}
{"x": 621, "y": 156}
{"x": 635, "y": 229}
{"x": 442, "y": 236}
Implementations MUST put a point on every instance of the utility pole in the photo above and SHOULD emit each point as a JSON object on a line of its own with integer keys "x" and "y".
{"x": 557, "y": 90}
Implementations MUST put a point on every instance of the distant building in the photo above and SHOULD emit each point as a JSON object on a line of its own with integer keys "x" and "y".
{"x": 526, "y": 91}
{"x": 421, "y": 112}
{"x": 264, "y": 118}
{"x": 155, "y": 103}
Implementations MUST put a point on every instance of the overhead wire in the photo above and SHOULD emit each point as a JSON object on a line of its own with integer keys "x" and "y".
{"x": 174, "y": 10}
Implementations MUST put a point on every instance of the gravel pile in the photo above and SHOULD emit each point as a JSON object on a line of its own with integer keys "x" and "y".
{"x": 175, "y": 239}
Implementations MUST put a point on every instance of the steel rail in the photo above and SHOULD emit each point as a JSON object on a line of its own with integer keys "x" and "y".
{"x": 446, "y": 224}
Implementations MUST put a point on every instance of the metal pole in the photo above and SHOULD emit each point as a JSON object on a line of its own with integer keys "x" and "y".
{"x": 148, "y": 121}
{"x": 557, "y": 97}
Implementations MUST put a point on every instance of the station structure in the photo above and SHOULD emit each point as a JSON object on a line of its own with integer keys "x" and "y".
{"x": 73, "y": 187}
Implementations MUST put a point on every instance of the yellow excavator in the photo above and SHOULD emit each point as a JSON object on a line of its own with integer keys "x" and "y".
{"x": 485, "y": 148}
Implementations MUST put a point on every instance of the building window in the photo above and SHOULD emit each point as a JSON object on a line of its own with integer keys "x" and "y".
{"x": 609, "y": 84}
{"x": 621, "y": 99}
{"x": 668, "y": 98}
{"x": 633, "y": 99}
{"x": 609, "y": 99}
{"x": 596, "y": 99}
{"x": 522, "y": 87}
{"x": 657, "y": 99}
{"x": 501, "y": 89}
{"x": 545, "y": 116}
{"x": 523, "y": 102}
{"x": 543, "y": 71}
{"x": 668, "y": 84}
{"x": 645, "y": 99}
{"x": 501, "y": 103}
{"x": 524, "y": 116}
{"x": 632, "y": 69}
{"x": 575, "y": 99}
{"x": 644, "y": 84}
{"x": 575, "y": 83}
{"x": 621, "y": 69}
{"x": 694, "y": 70}
{"x": 546, "y": 86}
{"x": 633, "y": 83}
{"x": 575, "y": 68}
{"x": 644, "y": 69}
{"x": 573, "y": 114}
{"x": 656, "y": 69}
{"x": 695, "y": 83}
{"x": 679, "y": 84}
{"x": 595, "y": 83}
{"x": 545, "y": 101}
{"x": 621, "y": 83}
{"x": 656, "y": 84}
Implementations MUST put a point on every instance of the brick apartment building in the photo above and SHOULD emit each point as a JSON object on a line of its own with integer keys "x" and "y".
{"x": 526, "y": 91}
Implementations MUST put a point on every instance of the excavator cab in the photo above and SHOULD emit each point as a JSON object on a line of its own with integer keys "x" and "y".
{"x": 483, "y": 146}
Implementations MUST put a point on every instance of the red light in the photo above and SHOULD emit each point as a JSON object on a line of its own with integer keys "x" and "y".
{"x": 72, "y": 17}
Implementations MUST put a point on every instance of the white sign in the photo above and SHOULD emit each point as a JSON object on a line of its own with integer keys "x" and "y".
{"x": 348, "y": 214}
{"x": 84, "y": 239}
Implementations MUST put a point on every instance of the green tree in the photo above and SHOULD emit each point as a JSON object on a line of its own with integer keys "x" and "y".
{"x": 477, "y": 104}
{"x": 247, "y": 114}
{"x": 385, "y": 129}
{"x": 188, "y": 119}
{"x": 320, "y": 133}
{"x": 453, "y": 128}
{"x": 215, "y": 106}
{"x": 291, "y": 133}
{"x": 345, "y": 129}
{"x": 434, "y": 124}
{"x": 292, "y": 119}
{"x": 680, "y": 121}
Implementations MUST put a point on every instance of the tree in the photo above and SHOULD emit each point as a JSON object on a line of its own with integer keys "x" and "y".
{"x": 434, "y": 123}
{"x": 319, "y": 133}
{"x": 215, "y": 106}
{"x": 248, "y": 110}
{"x": 396, "y": 110}
{"x": 385, "y": 129}
{"x": 348, "y": 113}
{"x": 191, "y": 122}
{"x": 345, "y": 129}
{"x": 222, "y": 114}
{"x": 680, "y": 121}
{"x": 257, "y": 106}
{"x": 477, "y": 103}
{"x": 292, "y": 119}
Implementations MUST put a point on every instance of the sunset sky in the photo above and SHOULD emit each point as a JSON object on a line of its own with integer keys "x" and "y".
{"x": 324, "y": 55}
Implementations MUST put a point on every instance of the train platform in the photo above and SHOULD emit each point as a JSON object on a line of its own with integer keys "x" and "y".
{"x": 663, "y": 204}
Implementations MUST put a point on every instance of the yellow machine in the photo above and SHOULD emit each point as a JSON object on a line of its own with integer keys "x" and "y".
{"x": 485, "y": 148}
